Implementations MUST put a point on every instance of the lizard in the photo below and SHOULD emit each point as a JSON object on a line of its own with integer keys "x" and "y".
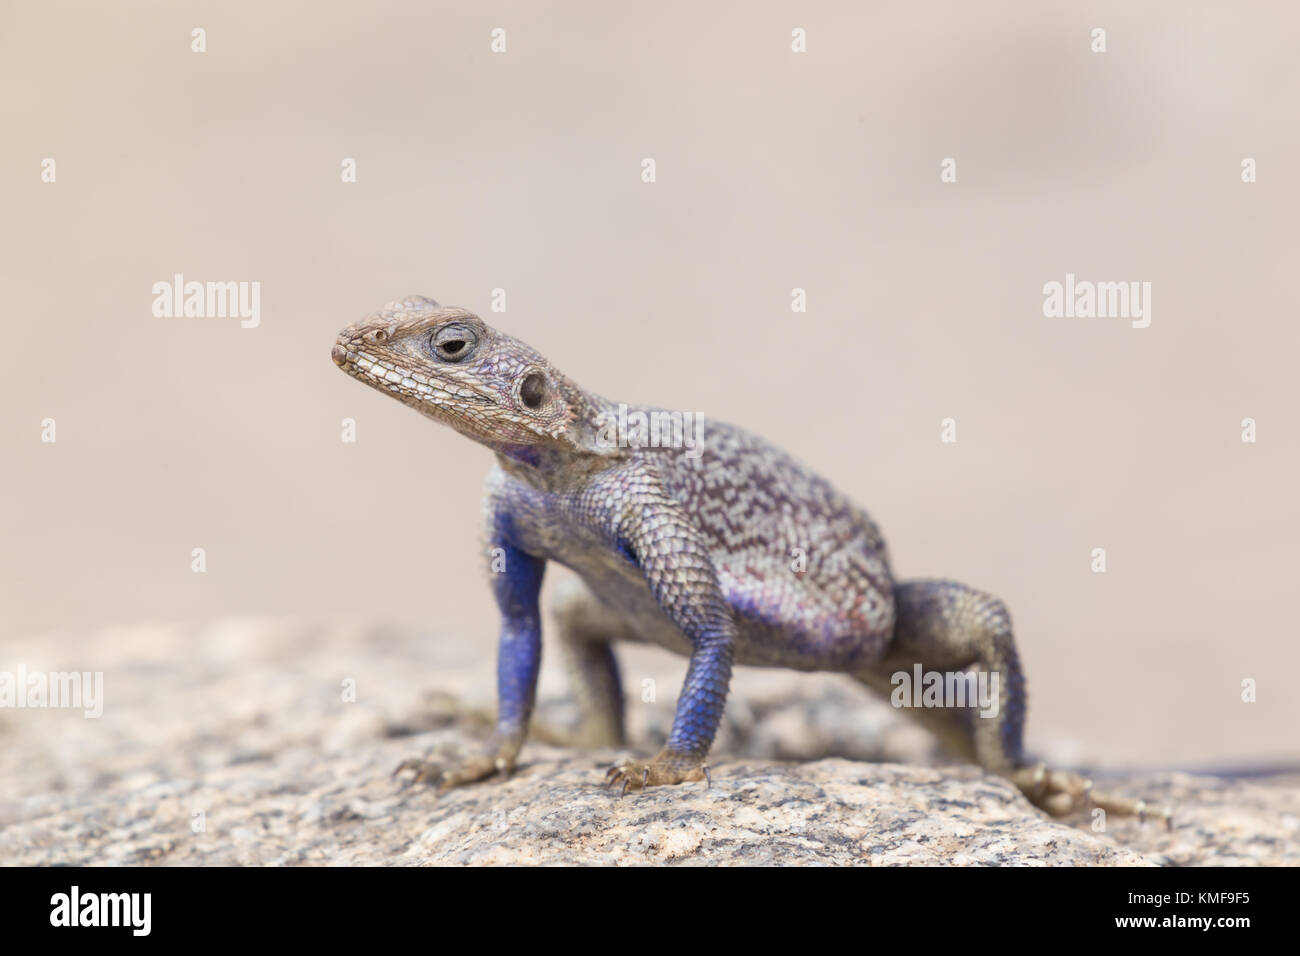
{"x": 686, "y": 545}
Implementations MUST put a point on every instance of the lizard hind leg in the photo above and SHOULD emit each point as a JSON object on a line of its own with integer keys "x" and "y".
{"x": 948, "y": 627}
{"x": 586, "y": 628}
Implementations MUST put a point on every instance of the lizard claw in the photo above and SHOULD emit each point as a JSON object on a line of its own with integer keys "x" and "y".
{"x": 665, "y": 769}
{"x": 1061, "y": 793}
{"x": 446, "y": 776}
{"x": 425, "y": 770}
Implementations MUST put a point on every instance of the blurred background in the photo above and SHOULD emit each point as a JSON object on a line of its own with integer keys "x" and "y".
{"x": 775, "y": 170}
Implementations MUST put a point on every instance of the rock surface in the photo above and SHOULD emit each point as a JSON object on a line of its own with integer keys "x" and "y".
{"x": 239, "y": 743}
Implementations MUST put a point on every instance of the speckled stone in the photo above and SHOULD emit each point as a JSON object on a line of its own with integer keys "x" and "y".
{"x": 245, "y": 723}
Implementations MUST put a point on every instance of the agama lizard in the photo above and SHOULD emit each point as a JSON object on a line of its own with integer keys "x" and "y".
{"x": 689, "y": 548}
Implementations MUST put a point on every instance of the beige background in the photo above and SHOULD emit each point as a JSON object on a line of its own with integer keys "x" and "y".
{"x": 775, "y": 170}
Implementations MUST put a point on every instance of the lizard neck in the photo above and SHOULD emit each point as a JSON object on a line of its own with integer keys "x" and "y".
{"x": 575, "y": 454}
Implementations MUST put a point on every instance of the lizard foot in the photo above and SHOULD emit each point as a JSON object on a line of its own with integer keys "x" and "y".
{"x": 1061, "y": 792}
{"x": 446, "y": 776}
{"x": 667, "y": 767}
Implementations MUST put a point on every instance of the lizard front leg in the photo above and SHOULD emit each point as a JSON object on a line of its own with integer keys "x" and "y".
{"x": 671, "y": 554}
{"x": 516, "y": 587}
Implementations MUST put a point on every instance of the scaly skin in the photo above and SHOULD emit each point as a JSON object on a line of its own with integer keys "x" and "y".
{"x": 727, "y": 552}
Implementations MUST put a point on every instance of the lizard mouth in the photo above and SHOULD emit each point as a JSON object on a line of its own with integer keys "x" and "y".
{"x": 410, "y": 386}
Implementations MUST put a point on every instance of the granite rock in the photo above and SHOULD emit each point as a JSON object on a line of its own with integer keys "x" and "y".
{"x": 273, "y": 742}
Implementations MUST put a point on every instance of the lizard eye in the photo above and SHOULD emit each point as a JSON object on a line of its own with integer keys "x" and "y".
{"x": 454, "y": 342}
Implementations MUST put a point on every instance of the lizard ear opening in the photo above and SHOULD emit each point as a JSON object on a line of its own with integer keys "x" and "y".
{"x": 533, "y": 390}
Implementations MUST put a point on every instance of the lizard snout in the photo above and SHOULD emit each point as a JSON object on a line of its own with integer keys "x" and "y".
{"x": 339, "y": 354}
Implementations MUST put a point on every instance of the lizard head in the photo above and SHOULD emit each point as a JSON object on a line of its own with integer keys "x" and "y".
{"x": 455, "y": 368}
